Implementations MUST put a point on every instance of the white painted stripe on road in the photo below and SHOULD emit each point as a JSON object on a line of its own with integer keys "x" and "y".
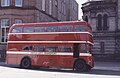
{"x": 47, "y": 53}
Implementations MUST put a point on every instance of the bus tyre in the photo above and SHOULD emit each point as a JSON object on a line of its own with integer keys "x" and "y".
{"x": 80, "y": 66}
{"x": 26, "y": 63}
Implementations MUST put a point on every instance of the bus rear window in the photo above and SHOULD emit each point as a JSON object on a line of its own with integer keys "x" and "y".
{"x": 78, "y": 28}
{"x": 17, "y": 30}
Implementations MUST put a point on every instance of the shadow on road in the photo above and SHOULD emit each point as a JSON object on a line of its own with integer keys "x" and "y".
{"x": 93, "y": 71}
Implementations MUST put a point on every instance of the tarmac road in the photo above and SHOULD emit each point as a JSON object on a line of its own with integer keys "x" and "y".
{"x": 101, "y": 70}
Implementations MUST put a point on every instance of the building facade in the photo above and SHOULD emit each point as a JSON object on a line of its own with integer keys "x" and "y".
{"x": 30, "y": 11}
{"x": 104, "y": 16}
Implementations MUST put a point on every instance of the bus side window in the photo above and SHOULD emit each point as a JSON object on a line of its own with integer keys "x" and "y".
{"x": 40, "y": 29}
{"x": 84, "y": 48}
{"x": 51, "y": 48}
{"x": 84, "y": 28}
{"x": 35, "y": 48}
{"x": 78, "y": 28}
{"x": 38, "y": 48}
{"x": 28, "y": 30}
{"x": 61, "y": 48}
{"x": 68, "y": 49}
{"x": 17, "y": 30}
{"x": 89, "y": 30}
{"x": 41, "y": 48}
{"x": 27, "y": 48}
{"x": 70, "y": 28}
{"x": 64, "y": 49}
{"x": 52, "y": 29}
{"x": 63, "y": 28}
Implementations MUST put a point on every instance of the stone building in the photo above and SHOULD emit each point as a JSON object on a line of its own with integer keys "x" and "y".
{"x": 29, "y": 11}
{"x": 104, "y": 17}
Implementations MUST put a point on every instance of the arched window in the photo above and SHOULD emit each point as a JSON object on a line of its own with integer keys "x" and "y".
{"x": 86, "y": 19}
{"x": 105, "y": 20}
{"x": 99, "y": 19}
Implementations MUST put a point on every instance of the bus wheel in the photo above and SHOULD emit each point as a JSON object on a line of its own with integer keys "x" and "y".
{"x": 26, "y": 63}
{"x": 80, "y": 66}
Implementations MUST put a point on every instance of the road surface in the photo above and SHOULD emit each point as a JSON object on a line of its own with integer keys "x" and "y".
{"x": 97, "y": 72}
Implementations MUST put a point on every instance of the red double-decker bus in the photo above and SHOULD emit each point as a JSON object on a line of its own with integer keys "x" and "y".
{"x": 51, "y": 44}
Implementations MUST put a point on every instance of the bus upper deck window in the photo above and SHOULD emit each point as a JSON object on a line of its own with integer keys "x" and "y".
{"x": 52, "y": 29}
{"x": 63, "y": 28}
{"x": 79, "y": 28}
{"x": 70, "y": 28}
{"x": 28, "y": 29}
{"x": 17, "y": 30}
{"x": 89, "y": 30}
{"x": 83, "y": 28}
{"x": 40, "y": 29}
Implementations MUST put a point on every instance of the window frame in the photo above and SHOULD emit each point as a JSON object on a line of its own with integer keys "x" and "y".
{"x": 50, "y": 7}
{"x": 99, "y": 22}
{"x": 43, "y": 5}
{"x": 20, "y": 4}
{"x": 105, "y": 22}
{"x": 4, "y": 21}
{"x": 20, "y": 21}
{"x": 4, "y": 4}
{"x": 5, "y": 29}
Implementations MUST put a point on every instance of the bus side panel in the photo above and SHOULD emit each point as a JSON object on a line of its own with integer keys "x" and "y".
{"x": 47, "y": 37}
{"x": 53, "y": 61}
{"x": 66, "y": 61}
{"x": 11, "y": 59}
